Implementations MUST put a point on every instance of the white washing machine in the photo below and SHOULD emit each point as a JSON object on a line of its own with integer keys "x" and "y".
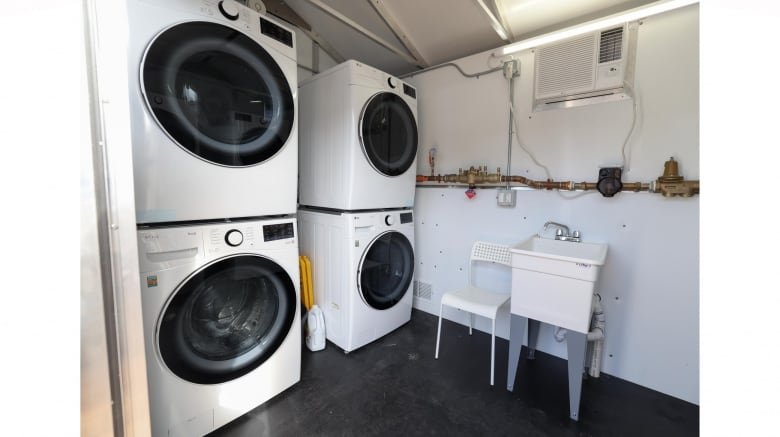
{"x": 213, "y": 104}
{"x": 221, "y": 320}
{"x": 362, "y": 268}
{"x": 358, "y": 139}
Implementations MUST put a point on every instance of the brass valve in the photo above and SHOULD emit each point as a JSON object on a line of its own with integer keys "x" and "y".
{"x": 472, "y": 176}
{"x": 672, "y": 184}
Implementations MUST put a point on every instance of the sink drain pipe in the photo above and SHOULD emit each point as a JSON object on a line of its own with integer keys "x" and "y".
{"x": 596, "y": 336}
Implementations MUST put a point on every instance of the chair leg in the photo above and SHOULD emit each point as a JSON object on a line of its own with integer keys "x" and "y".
{"x": 492, "y": 352}
{"x": 438, "y": 333}
{"x": 471, "y": 322}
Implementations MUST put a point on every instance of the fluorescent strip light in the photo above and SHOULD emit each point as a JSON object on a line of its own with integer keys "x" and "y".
{"x": 612, "y": 20}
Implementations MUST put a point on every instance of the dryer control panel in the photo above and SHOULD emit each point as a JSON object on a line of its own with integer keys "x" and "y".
{"x": 251, "y": 17}
{"x": 278, "y": 231}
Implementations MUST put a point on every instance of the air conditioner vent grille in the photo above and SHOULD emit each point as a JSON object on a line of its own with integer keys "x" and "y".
{"x": 565, "y": 67}
{"x": 592, "y": 68}
{"x": 611, "y": 46}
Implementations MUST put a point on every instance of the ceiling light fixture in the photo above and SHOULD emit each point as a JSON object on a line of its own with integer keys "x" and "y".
{"x": 623, "y": 17}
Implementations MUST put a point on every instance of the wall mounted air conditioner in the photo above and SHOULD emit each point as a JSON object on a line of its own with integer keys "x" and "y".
{"x": 593, "y": 68}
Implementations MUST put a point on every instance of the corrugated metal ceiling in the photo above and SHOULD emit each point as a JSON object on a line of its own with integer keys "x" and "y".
{"x": 401, "y": 36}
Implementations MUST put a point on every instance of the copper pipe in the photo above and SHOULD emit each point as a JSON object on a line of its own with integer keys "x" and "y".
{"x": 585, "y": 186}
{"x": 547, "y": 185}
{"x": 636, "y": 186}
{"x": 473, "y": 179}
{"x": 670, "y": 184}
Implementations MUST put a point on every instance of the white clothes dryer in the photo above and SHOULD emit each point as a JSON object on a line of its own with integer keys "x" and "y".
{"x": 362, "y": 268}
{"x": 221, "y": 317}
{"x": 213, "y": 95}
{"x": 358, "y": 139}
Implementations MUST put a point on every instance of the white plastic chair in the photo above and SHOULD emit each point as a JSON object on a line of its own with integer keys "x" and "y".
{"x": 477, "y": 300}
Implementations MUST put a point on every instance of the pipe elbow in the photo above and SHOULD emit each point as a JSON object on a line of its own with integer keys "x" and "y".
{"x": 596, "y": 334}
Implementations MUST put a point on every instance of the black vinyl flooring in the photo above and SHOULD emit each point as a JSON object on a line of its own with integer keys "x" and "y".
{"x": 394, "y": 387}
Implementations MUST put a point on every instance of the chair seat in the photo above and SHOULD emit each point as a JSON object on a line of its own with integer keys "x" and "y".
{"x": 478, "y": 301}
{"x": 475, "y": 300}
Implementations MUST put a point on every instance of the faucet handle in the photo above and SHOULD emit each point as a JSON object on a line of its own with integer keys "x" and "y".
{"x": 576, "y": 234}
{"x": 559, "y": 232}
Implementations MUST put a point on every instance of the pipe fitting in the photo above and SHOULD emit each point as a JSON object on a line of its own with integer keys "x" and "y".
{"x": 559, "y": 334}
{"x": 596, "y": 334}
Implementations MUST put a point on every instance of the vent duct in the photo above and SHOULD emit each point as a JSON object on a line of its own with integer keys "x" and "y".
{"x": 423, "y": 290}
{"x": 592, "y": 68}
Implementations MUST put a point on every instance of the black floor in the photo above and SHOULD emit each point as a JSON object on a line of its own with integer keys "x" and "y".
{"x": 394, "y": 387}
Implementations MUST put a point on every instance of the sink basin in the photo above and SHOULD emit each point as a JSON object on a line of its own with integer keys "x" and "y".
{"x": 553, "y": 281}
{"x": 566, "y": 258}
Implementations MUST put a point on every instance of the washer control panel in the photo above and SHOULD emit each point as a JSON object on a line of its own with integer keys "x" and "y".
{"x": 234, "y": 238}
{"x": 223, "y": 237}
{"x": 249, "y": 235}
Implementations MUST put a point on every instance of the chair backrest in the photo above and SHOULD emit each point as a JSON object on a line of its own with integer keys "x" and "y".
{"x": 491, "y": 253}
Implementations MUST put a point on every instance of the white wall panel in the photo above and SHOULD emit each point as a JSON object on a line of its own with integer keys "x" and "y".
{"x": 650, "y": 283}
{"x": 305, "y": 49}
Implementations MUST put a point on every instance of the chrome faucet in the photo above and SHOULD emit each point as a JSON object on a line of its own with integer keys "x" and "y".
{"x": 563, "y": 229}
{"x": 562, "y": 232}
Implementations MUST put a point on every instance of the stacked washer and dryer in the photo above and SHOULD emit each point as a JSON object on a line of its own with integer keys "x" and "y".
{"x": 358, "y": 150}
{"x": 215, "y": 154}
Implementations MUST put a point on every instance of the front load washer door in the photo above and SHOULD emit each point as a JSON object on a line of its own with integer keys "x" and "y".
{"x": 386, "y": 270}
{"x": 388, "y": 134}
{"x": 226, "y": 319}
{"x": 217, "y": 93}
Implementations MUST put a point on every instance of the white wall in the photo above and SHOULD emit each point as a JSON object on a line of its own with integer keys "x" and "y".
{"x": 650, "y": 283}
{"x": 305, "y": 49}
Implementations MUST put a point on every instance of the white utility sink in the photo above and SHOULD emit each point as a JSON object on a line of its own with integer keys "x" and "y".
{"x": 553, "y": 281}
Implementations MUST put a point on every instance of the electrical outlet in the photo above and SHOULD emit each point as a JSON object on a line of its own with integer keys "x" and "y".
{"x": 506, "y": 197}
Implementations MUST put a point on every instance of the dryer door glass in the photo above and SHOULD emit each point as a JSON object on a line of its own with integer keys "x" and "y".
{"x": 218, "y": 94}
{"x": 388, "y": 134}
{"x": 386, "y": 270}
{"x": 226, "y": 319}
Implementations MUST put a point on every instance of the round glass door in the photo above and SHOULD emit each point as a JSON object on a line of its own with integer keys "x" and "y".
{"x": 386, "y": 270}
{"x": 226, "y": 319}
{"x": 217, "y": 94}
{"x": 388, "y": 134}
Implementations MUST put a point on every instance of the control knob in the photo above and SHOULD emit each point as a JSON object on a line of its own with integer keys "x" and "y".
{"x": 392, "y": 82}
{"x": 389, "y": 220}
{"x": 234, "y": 237}
{"x": 229, "y": 9}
